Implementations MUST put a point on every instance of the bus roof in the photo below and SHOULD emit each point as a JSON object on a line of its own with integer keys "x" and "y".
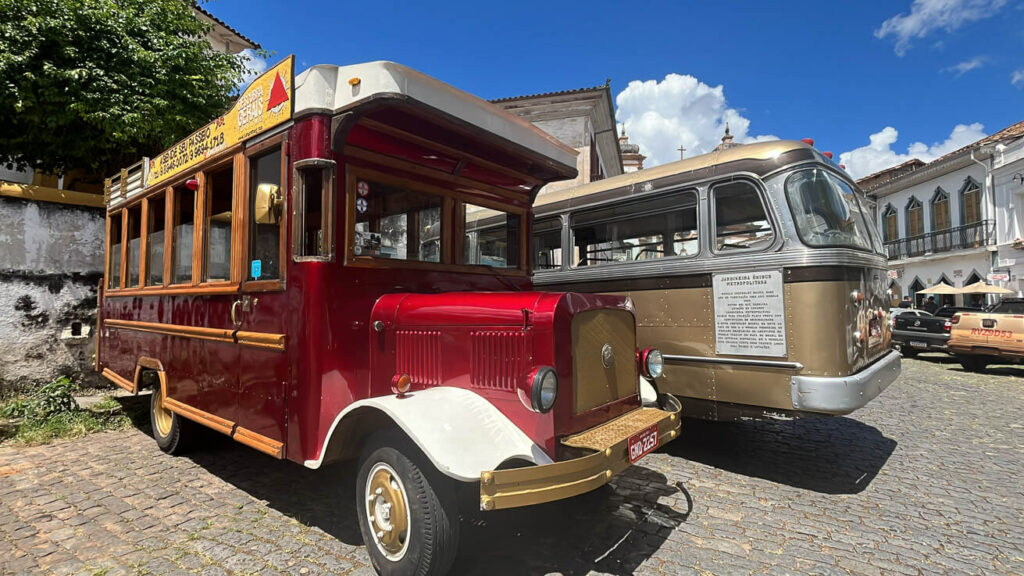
{"x": 748, "y": 158}
{"x": 334, "y": 89}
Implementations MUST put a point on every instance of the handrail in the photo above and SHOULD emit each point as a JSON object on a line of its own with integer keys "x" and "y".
{"x": 973, "y": 235}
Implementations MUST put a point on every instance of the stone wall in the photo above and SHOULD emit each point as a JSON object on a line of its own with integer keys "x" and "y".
{"x": 51, "y": 261}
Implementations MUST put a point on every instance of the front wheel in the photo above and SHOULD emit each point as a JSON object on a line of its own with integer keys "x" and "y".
{"x": 407, "y": 510}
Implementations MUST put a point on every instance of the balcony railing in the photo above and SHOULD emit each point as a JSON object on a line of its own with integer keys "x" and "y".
{"x": 971, "y": 235}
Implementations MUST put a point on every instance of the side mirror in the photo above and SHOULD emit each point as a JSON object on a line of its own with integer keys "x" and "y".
{"x": 267, "y": 204}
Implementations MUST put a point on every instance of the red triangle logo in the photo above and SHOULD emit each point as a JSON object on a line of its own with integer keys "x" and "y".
{"x": 278, "y": 95}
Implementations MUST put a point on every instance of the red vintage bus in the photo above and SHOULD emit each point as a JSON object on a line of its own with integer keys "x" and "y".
{"x": 337, "y": 268}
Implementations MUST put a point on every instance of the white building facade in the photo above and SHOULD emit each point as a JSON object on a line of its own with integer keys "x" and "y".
{"x": 954, "y": 220}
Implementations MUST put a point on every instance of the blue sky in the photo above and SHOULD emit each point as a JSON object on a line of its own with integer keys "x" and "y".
{"x": 839, "y": 72}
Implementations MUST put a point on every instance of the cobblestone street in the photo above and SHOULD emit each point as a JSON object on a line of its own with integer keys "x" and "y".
{"x": 927, "y": 479}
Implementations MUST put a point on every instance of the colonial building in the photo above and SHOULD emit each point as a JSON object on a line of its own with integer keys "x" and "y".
{"x": 947, "y": 221}
{"x": 583, "y": 119}
{"x": 51, "y": 261}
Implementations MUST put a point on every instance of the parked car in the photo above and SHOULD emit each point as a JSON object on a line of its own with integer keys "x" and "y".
{"x": 894, "y": 312}
{"x": 916, "y": 331}
{"x": 980, "y": 338}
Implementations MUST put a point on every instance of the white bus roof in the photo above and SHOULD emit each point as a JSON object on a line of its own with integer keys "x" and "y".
{"x": 758, "y": 151}
{"x": 326, "y": 87}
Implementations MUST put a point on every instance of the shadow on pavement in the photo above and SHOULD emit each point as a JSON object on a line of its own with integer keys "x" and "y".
{"x": 831, "y": 455}
{"x": 608, "y": 530}
{"x": 996, "y": 368}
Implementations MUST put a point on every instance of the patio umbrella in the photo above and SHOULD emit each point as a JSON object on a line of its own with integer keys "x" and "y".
{"x": 941, "y": 288}
{"x": 980, "y": 287}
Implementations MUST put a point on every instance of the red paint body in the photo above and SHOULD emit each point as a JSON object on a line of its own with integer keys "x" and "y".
{"x": 334, "y": 356}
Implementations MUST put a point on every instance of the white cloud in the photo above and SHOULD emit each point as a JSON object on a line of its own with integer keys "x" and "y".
{"x": 659, "y": 116}
{"x": 879, "y": 154}
{"x": 928, "y": 15}
{"x": 1017, "y": 78}
{"x": 965, "y": 67}
{"x": 255, "y": 65}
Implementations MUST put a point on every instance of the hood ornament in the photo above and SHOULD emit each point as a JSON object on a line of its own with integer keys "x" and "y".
{"x": 607, "y": 356}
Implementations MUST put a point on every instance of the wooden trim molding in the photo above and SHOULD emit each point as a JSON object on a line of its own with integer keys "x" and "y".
{"x": 259, "y": 442}
{"x": 264, "y": 340}
{"x": 196, "y": 415}
{"x": 119, "y": 380}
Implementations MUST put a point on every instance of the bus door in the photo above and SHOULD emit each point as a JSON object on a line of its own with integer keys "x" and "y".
{"x": 260, "y": 311}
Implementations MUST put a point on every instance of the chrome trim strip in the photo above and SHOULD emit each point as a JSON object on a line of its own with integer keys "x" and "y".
{"x": 675, "y": 358}
{"x": 844, "y": 394}
{"x": 786, "y": 258}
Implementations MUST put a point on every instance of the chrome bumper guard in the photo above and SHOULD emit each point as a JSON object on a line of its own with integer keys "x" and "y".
{"x": 845, "y": 394}
{"x": 538, "y": 484}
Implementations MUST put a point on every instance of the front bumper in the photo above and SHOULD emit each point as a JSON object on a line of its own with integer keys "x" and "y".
{"x": 845, "y": 394}
{"x": 538, "y": 484}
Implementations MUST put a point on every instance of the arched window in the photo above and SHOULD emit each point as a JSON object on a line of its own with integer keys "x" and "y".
{"x": 890, "y": 224}
{"x": 915, "y": 292}
{"x": 940, "y": 210}
{"x": 970, "y": 201}
{"x": 945, "y": 299}
{"x": 915, "y": 217}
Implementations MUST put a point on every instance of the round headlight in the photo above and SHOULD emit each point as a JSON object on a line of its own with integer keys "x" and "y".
{"x": 544, "y": 389}
{"x": 654, "y": 363}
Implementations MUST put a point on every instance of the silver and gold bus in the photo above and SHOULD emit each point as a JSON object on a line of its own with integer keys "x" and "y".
{"x": 756, "y": 270}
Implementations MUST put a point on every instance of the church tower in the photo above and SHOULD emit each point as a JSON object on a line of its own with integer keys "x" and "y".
{"x": 632, "y": 159}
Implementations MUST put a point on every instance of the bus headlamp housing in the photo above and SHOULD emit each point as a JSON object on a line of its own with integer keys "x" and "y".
{"x": 543, "y": 388}
{"x": 652, "y": 363}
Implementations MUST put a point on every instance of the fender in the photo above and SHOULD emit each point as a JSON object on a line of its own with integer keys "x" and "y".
{"x": 461, "y": 432}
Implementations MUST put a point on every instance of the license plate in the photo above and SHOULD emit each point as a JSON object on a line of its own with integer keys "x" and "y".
{"x": 642, "y": 443}
{"x": 918, "y": 344}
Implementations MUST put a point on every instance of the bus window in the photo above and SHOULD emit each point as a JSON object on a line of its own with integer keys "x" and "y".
{"x": 826, "y": 211}
{"x": 134, "y": 245}
{"x": 547, "y": 243}
{"x": 181, "y": 241}
{"x": 265, "y": 211}
{"x": 155, "y": 241}
{"x": 662, "y": 227}
{"x": 396, "y": 223}
{"x": 114, "y": 263}
{"x": 491, "y": 237}
{"x": 313, "y": 226}
{"x": 741, "y": 222}
{"x": 219, "y": 203}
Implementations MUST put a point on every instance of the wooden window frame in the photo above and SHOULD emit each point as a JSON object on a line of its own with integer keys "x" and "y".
{"x": 910, "y": 208}
{"x": 327, "y": 209}
{"x": 203, "y": 199}
{"x": 451, "y": 228}
{"x": 259, "y": 149}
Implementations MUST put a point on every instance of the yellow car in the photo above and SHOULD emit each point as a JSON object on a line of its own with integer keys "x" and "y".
{"x": 978, "y": 339}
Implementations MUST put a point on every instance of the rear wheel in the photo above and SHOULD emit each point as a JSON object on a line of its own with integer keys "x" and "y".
{"x": 407, "y": 510}
{"x": 973, "y": 363}
{"x": 173, "y": 433}
{"x": 908, "y": 352}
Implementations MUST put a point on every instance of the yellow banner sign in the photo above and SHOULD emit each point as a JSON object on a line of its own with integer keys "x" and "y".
{"x": 266, "y": 103}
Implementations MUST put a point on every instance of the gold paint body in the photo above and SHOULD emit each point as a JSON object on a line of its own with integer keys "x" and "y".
{"x": 821, "y": 318}
{"x": 594, "y": 384}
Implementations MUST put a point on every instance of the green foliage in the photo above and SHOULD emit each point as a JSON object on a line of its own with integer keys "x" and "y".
{"x": 51, "y": 413}
{"x": 97, "y": 84}
{"x": 49, "y": 400}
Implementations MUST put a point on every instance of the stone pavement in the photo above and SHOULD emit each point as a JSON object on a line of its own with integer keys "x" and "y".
{"x": 925, "y": 480}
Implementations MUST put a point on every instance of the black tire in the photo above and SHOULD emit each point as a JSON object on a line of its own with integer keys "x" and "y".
{"x": 431, "y": 537}
{"x": 973, "y": 363}
{"x": 173, "y": 434}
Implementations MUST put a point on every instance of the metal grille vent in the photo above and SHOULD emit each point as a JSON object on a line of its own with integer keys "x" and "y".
{"x": 499, "y": 358}
{"x": 419, "y": 355}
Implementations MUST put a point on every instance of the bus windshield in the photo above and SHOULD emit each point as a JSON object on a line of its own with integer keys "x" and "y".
{"x": 828, "y": 212}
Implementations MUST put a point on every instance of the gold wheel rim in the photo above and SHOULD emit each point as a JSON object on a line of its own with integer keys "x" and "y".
{"x": 387, "y": 511}
{"x": 161, "y": 416}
